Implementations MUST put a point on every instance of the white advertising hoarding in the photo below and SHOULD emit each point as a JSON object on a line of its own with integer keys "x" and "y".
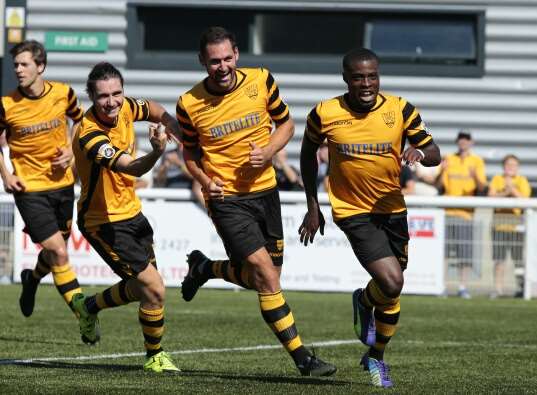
{"x": 328, "y": 264}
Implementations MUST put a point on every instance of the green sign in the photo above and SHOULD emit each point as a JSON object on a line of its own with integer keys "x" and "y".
{"x": 76, "y": 41}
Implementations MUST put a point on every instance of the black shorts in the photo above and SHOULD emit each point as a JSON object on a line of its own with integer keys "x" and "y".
{"x": 45, "y": 213}
{"x": 503, "y": 241}
{"x": 459, "y": 240}
{"x": 376, "y": 236}
{"x": 247, "y": 223}
{"x": 126, "y": 246}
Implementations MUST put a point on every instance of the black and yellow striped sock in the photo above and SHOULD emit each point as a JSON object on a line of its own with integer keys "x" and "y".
{"x": 386, "y": 313}
{"x": 117, "y": 295}
{"x": 232, "y": 272}
{"x": 277, "y": 314}
{"x": 152, "y": 322}
{"x": 42, "y": 268}
{"x": 66, "y": 282}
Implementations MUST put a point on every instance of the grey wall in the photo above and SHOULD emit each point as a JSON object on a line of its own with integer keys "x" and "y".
{"x": 500, "y": 109}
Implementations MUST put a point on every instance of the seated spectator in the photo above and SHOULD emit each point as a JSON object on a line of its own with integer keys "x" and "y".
{"x": 323, "y": 158}
{"x": 508, "y": 224}
{"x": 407, "y": 180}
{"x": 146, "y": 180}
{"x": 287, "y": 176}
{"x": 425, "y": 179}
{"x": 172, "y": 171}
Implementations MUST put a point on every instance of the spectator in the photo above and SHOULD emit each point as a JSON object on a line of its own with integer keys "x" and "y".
{"x": 425, "y": 179}
{"x": 287, "y": 176}
{"x": 146, "y": 180}
{"x": 461, "y": 174}
{"x": 172, "y": 171}
{"x": 407, "y": 181}
{"x": 323, "y": 158}
{"x": 508, "y": 232}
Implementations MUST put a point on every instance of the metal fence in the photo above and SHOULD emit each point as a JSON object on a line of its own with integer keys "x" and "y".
{"x": 486, "y": 248}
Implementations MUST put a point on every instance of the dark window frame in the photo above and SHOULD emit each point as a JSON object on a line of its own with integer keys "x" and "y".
{"x": 138, "y": 58}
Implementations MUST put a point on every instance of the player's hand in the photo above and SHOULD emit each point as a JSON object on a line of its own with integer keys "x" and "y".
{"x": 157, "y": 137}
{"x": 258, "y": 156}
{"x": 313, "y": 221}
{"x": 63, "y": 158}
{"x": 13, "y": 184}
{"x": 215, "y": 189}
{"x": 411, "y": 156}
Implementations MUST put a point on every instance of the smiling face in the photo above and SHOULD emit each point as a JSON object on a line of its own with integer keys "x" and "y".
{"x": 108, "y": 99}
{"x": 362, "y": 78}
{"x": 220, "y": 61}
{"x": 510, "y": 167}
{"x": 27, "y": 71}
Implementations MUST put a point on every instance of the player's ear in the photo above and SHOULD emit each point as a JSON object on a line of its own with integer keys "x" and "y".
{"x": 344, "y": 77}
{"x": 201, "y": 59}
{"x": 236, "y": 51}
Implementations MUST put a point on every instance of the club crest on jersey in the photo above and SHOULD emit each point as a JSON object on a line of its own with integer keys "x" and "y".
{"x": 389, "y": 118}
{"x": 141, "y": 102}
{"x": 251, "y": 91}
{"x": 107, "y": 151}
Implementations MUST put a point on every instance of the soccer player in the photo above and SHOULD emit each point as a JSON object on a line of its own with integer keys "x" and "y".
{"x": 34, "y": 117}
{"x": 109, "y": 212}
{"x": 228, "y": 147}
{"x": 366, "y": 132}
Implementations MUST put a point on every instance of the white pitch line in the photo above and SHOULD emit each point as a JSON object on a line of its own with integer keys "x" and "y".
{"x": 195, "y": 351}
{"x": 327, "y": 343}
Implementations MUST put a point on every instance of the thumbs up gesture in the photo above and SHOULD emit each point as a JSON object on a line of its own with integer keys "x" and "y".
{"x": 258, "y": 156}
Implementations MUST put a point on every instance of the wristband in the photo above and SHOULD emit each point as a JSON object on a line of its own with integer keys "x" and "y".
{"x": 421, "y": 153}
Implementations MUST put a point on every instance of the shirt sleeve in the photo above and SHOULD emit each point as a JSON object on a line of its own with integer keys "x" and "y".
{"x": 99, "y": 149}
{"x": 278, "y": 110}
{"x": 190, "y": 134}
{"x": 74, "y": 108}
{"x": 313, "y": 129}
{"x": 139, "y": 108}
{"x": 413, "y": 126}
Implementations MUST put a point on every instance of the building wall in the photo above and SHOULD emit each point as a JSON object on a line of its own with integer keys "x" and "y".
{"x": 500, "y": 109}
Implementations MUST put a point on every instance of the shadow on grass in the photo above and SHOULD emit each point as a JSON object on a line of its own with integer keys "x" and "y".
{"x": 21, "y": 339}
{"x": 265, "y": 378}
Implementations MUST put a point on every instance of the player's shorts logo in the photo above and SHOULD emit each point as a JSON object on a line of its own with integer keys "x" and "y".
{"x": 279, "y": 245}
{"x": 251, "y": 91}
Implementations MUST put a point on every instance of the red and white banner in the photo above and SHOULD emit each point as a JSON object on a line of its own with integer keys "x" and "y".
{"x": 328, "y": 264}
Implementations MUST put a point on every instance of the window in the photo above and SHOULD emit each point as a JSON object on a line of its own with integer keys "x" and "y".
{"x": 310, "y": 40}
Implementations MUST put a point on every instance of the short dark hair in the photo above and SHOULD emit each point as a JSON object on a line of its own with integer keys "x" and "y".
{"x": 39, "y": 55}
{"x": 214, "y": 35}
{"x": 510, "y": 156}
{"x": 101, "y": 71}
{"x": 358, "y": 55}
{"x": 464, "y": 134}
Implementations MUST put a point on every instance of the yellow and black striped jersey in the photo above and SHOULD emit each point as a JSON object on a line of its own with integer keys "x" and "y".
{"x": 365, "y": 152}
{"x": 457, "y": 179}
{"x": 35, "y": 128}
{"x": 107, "y": 195}
{"x": 224, "y": 125}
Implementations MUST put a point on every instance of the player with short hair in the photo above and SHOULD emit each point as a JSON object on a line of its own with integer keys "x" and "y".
{"x": 228, "y": 147}
{"x": 109, "y": 212}
{"x": 34, "y": 117}
{"x": 366, "y": 132}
